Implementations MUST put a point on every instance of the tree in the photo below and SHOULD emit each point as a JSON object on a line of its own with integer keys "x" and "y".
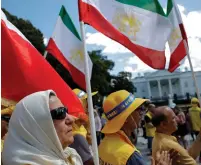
{"x": 121, "y": 81}
{"x": 101, "y": 72}
{"x": 33, "y": 34}
{"x": 127, "y": 75}
{"x": 101, "y": 77}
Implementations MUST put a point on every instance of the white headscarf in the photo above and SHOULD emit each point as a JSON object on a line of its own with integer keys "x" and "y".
{"x": 32, "y": 138}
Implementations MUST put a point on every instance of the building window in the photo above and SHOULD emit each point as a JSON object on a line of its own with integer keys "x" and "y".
{"x": 186, "y": 84}
{"x": 143, "y": 90}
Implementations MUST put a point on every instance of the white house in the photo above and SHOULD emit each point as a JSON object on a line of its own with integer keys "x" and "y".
{"x": 160, "y": 84}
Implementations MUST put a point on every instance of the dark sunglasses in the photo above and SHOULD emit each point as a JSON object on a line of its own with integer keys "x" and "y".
{"x": 59, "y": 113}
{"x": 5, "y": 118}
{"x": 141, "y": 110}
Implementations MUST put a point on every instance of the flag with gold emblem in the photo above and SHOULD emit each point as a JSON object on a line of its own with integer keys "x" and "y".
{"x": 139, "y": 25}
{"x": 67, "y": 47}
{"x": 177, "y": 37}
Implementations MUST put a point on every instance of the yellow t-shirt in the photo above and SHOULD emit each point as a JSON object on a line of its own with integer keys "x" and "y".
{"x": 115, "y": 149}
{"x": 150, "y": 129}
{"x": 79, "y": 130}
{"x": 163, "y": 142}
{"x": 195, "y": 118}
{"x": 2, "y": 143}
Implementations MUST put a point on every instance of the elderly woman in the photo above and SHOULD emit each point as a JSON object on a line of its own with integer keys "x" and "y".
{"x": 40, "y": 131}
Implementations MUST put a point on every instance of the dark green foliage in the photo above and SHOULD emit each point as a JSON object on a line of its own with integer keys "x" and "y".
{"x": 122, "y": 81}
{"x": 101, "y": 76}
{"x": 33, "y": 34}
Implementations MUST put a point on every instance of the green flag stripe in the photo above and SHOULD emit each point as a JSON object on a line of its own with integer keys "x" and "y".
{"x": 151, "y": 5}
{"x": 169, "y": 7}
{"x": 68, "y": 22}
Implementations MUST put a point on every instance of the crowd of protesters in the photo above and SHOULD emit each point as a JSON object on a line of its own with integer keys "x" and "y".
{"x": 39, "y": 130}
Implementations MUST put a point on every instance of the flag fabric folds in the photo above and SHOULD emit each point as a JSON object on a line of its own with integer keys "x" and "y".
{"x": 177, "y": 38}
{"x": 67, "y": 47}
{"x": 141, "y": 26}
{"x": 25, "y": 71}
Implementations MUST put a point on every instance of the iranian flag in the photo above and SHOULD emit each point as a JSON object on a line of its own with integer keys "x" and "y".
{"x": 25, "y": 71}
{"x": 67, "y": 47}
{"x": 177, "y": 37}
{"x": 139, "y": 25}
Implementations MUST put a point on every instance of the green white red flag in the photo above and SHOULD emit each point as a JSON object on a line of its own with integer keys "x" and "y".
{"x": 67, "y": 47}
{"x": 25, "y": 71}
{"x": 141, "y": 26}
{"x": 177, "y": 38}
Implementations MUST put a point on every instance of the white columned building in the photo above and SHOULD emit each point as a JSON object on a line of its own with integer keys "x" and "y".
{"x": 159, "y": 88}
{"x": 160, "y": 84}
{"x": 170, "y": 86}
{"x": 149, "y": 89}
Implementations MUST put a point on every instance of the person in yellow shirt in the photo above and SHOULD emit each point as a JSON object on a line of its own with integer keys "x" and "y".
{"x": 150, "y": 129}
{"x": 81, "y": 131}
{"x": 5, "y": 118}
{"x": 195, "y": 119}
{"x": 165, "y": 122}
{"x": 194, "y": 113}
{"x": 124, "y": 112}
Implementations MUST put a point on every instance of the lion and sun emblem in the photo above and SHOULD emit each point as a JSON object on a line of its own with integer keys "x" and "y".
{"x": 127, "y": 23}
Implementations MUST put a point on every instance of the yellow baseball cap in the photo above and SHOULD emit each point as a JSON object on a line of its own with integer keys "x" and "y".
{"x": 81, "y": 94}
{"x": 117, "y": 108}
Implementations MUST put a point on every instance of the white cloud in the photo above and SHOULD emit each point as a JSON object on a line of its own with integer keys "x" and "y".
{"x": 192, "y": 25}
{"x": 110, "y": 46}
{"x": 120, "y": 60}
{"x": 181, "y": 8}
{"x": 45, "y": 40}
{"x": 129, "y": 69}
{"x": 195, "y": 51}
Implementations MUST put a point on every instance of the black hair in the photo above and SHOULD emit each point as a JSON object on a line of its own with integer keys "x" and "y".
{"x": 157, "y": 119}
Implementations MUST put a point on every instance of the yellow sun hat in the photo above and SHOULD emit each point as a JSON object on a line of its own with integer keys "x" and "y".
{"x": 117, "y": 107}
{"x": 83, "y": 98}
{"x": 81, "y": 94}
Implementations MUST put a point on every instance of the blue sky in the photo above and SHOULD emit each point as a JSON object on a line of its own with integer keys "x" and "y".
{"x": 43, "y": 15}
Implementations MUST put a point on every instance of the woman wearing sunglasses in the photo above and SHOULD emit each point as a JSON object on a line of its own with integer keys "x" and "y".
{"x": 40, "y": 131}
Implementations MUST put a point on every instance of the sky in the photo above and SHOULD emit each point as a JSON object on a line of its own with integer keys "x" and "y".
{"x": 44, "y": 13}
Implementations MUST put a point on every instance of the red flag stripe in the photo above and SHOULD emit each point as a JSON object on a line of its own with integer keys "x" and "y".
{"x": 77, "y": 76}
{"x": 178, "y": 55}
{"x": 90, "y": 15}
{"x": 25, "y": 71}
